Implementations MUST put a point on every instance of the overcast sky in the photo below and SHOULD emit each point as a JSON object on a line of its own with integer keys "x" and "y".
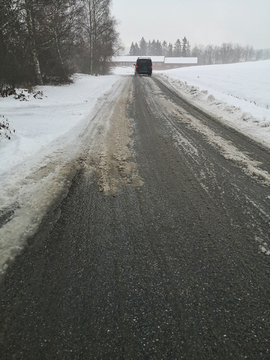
{"x": 205, "y": 22}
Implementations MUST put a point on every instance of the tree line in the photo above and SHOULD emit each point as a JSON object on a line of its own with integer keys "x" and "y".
{"x": 45, "y": 41}
{"x": 210, "y": 54}
{"x": 228, "y": 53}
{"x": 157, "y": 48}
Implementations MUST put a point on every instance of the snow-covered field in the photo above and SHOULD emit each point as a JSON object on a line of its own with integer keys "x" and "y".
{"x": 237, "y": 94}
{"x": 49, "y": 131}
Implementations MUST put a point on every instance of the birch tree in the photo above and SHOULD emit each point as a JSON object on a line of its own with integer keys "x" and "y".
{"x": 102, "y": 40}
{"x": 29, "y": 7}
{"x": 47, "y": 40}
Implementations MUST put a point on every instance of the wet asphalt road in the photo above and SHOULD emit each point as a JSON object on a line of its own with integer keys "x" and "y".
{"x": 174, "y": 269}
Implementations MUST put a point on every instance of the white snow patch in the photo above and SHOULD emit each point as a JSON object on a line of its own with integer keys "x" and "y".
{"x": 124, "y": 70}
{"x": 230, "y": 152}
{"x": 263, "y": 246}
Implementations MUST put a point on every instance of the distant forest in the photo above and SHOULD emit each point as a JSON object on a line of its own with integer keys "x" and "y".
{"x": 225, "y": 54}
{"x": 47, "y": 41}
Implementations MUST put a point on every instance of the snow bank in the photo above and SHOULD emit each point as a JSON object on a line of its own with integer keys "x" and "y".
{"x": 51, "y": 135}
{"x": 124, "y": 70}
{"x": 38, "y": 122}
{"x": 237, "y": 94}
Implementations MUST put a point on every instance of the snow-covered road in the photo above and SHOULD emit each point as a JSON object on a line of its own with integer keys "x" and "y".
{"x": 160, "y": 248}
{"x": 53, "y": 130}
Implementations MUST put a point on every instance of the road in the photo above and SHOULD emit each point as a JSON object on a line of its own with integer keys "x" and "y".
{"x": 160, "y": 250}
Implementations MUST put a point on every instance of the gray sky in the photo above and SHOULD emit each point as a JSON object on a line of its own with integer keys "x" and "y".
{"x": 205, "y": 22}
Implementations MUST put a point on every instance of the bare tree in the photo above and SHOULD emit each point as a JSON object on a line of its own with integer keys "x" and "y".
{"x": 100, "y": 36}
{"x": 47, "y": 40}
{"x": 14, "y": 48}
{"x": 58, "y": 36}
{"x": 237, "y": 53}
{"x": 29, "y": 10}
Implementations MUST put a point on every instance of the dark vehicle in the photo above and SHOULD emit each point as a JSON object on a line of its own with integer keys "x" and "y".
{"x": 143, "y": 66}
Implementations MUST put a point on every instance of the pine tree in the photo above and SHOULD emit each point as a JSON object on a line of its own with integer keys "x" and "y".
{"x": 170, "y": 50}
{"x": 149, "y": 48}
{"x": 143, "y": 47}
{"x": 132, "y": 50}
{"x": 164, "y": 48}
{"x": 177, "y": 48}
{"x": 185, "y": 47}
{"x": 158, "y": 48}
{"x": 136, "y": 50}
{"x": 153, "y": 48}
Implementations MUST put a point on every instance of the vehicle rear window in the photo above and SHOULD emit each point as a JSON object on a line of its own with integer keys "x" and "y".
{"x": 144, "y": 62}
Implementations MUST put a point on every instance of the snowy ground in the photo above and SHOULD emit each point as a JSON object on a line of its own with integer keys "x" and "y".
{"x": 237, "y": 94}
{"x": 53, "y": 128}
{"x": 52, "y": 132}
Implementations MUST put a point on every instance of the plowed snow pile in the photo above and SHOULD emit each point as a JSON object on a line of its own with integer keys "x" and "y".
{"x": 237, "y": 94}
{"x": 53, "y": 132}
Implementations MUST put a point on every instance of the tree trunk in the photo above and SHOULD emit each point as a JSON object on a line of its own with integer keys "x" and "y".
{"x": 37, "y": 67}
{"x": 29, "y": 21}
{"x": 58, "y": 49}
